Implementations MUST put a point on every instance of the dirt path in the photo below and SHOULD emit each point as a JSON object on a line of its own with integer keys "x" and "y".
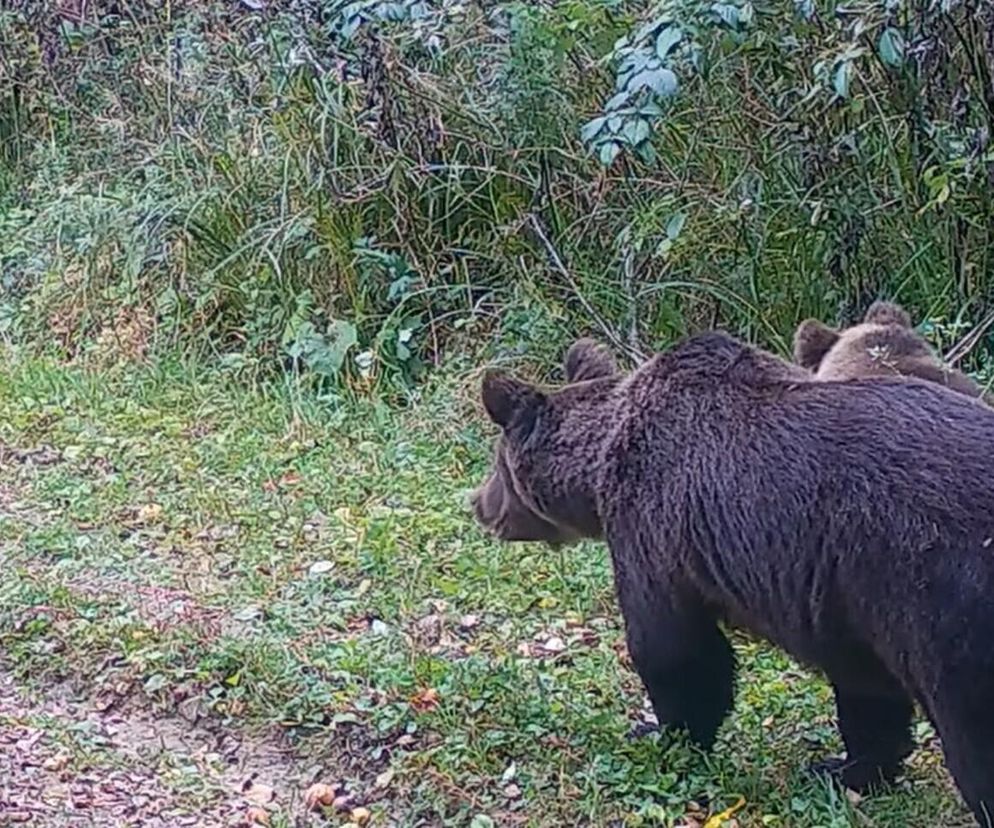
{"x": 66, "y": 761}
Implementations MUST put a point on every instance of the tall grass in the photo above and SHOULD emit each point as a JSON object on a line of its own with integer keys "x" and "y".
{"x": 351, "y": 191}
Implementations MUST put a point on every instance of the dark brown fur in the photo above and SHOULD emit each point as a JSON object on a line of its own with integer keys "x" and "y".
{"x": 850, "y": 523}
{"x": 884, "y": 344}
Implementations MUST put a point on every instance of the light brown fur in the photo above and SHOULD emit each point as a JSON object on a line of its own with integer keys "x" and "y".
{"x": 883, "y": 344}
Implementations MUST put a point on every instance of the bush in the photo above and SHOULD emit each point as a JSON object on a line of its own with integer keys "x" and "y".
{"x": 352, "y": 190}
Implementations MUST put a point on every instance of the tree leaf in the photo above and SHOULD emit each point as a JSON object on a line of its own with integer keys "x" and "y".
{"x": 646, "y": 151}
{"x": 675, "y": 225}
{"x": 840, "y": 81}
{"x": 634, "y": 62}
{"x": 591, "y": 129}
{"x": 636, "y": 131}
{"x": 616, "y": 101}
{"x": 661, "y": 81}
{"x": 891, "y": 47}
{"x": 608, "y": 152}
{"x": 728, "y": 14}
{"x": 667, "y": 39}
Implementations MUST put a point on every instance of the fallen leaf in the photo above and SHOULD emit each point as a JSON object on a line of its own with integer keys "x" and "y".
{"x": 360, "y": 816}
{"x": 247, "y": 614}
{"x": 467, "y": 622}
{"x": 318, "y": 795}
{"x": 259, "y": 794}
{"x": 288, "y": 479}
{"x": 342, "y": 803}
{"x": 554, "y": 644}
{"x": 255, "y": 815}
{"x": 426, "y": 699}
{"x": 56, "y": 763}
{"x": 384, "y": 778}
{"x": 321, "y": 567}
{"x": 149, "y": 512}
{"x": 717, "y": 820}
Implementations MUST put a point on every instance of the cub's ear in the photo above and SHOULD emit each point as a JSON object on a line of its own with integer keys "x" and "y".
{"x": 587, "y": 360}
{"x": 812, "y": 340}
{"x": 887, "y": 313}
{"x": 506, "y": 399}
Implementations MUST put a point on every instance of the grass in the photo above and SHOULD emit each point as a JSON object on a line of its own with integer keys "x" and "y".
{"x": 306, "y": 579}
{"x": 209, "y": 586}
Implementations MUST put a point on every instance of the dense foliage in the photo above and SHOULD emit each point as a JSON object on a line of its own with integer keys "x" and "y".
{"x": 349, "y": 190}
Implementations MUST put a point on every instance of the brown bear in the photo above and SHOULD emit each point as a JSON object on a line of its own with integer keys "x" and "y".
{"x": 884, "y": 344}
{"x": 850, "y": 523}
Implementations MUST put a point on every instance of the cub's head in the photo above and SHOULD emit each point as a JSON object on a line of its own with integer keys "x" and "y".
{"x": 814, "y": 340}
{"x": 883, "y": 344}
{"x": 541, "y": 485}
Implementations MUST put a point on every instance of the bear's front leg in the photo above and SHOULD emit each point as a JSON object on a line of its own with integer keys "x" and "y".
{"x": 876, "y": 730}
{"x": 682, "y": 657}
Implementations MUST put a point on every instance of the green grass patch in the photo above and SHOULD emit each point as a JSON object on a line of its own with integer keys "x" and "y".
{"x": 282, "y": 563}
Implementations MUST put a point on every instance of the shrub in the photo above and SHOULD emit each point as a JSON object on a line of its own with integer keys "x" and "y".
{"x": 352, "y": 190}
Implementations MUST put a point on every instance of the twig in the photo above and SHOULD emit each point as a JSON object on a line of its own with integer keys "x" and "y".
{"x": 969, "y": 342}
{"x": 630, "y": 294}
{"x": 634, "y": 353}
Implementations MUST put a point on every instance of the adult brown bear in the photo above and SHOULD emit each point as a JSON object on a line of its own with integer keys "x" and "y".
{"x": 884, "y": 344}
{"x": 850, "y": 523}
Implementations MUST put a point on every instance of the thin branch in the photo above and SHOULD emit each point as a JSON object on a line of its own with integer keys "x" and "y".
{"x": 628, "y": 271}
{"x": 969, "y": 342}
{"x": 633, "y": 353}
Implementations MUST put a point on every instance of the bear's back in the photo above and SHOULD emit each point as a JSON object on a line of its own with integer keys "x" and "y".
{"x": 740, "y": 431}
{"x": 802, "y": 507}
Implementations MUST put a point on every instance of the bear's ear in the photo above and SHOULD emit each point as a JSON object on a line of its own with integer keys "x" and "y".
{"x": 587, "y": 360}
{"x": 506, "y": 398}
{"x": 887, "y": 313}
{"x": 812, "y": 340}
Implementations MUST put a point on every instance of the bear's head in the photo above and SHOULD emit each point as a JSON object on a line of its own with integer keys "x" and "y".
{"x": 813, "y": 340}
{"x": 540, "y": 487}
{"x": 883, "y": 344}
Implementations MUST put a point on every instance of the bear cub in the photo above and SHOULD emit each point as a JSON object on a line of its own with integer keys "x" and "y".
{"x": 850, "y": 524}
{"x": 884, "y": 344}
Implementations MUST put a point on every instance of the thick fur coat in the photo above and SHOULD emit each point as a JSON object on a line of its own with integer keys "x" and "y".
{"x": 850, "y": 523}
